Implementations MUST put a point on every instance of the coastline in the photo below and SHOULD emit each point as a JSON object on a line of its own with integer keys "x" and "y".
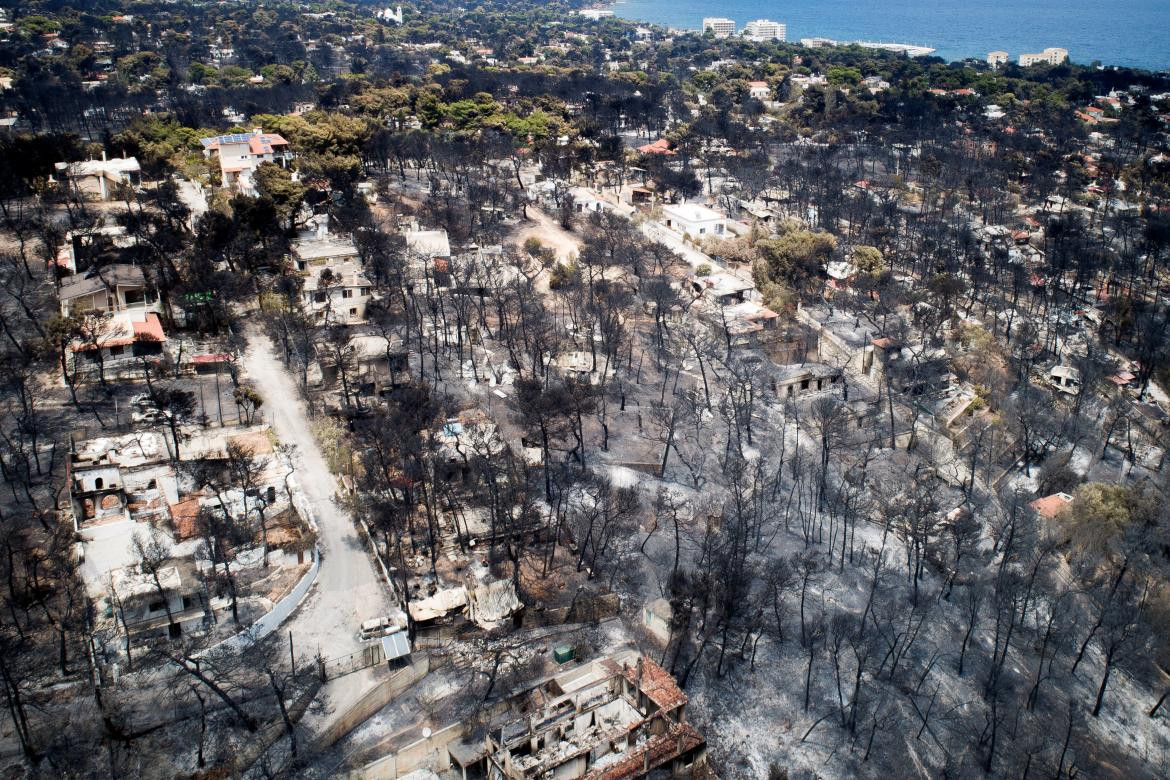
{"x": 967, "y": 39}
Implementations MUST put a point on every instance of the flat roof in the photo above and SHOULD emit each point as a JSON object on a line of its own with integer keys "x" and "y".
{"x": 428, "y": 242}
{"x": 112, "y": 165}
{"x": 692, "y": 212}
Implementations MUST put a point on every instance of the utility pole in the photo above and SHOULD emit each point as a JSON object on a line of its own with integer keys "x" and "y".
{"x": 218, "y": 395}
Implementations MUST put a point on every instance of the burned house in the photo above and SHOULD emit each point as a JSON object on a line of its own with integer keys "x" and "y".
{"x": 382, "y": 364}
{"x": 103, "y": 179}
{"x": 119, "y": 478}
{"x": 464, "y": 438}
{"x": 798, "y": 381}
{"x": 82, "y": 250}
{"x": 170, "y": 602}
{"x": 617, "y": 720}
{"x": 747, "y": 324}
{"x": 722, "y": 288}
{"x": 617, "y": 717}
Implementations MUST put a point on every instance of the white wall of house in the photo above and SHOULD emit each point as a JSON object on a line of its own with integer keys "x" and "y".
{"x": 695, "y": 221}
{"x": 345, "y": 305}
{"x": 122, "y": 297}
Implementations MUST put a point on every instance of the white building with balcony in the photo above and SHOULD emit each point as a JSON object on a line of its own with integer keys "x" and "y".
{"x": 1053, "y": 55}
{"x": 240, "y": 154}
{"x": 765, "y": 30}
{"x": 720, "y": 26}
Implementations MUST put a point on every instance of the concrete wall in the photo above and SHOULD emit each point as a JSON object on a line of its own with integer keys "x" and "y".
{"x": 372, "y": 701}
{"x": 428, "y": 752}
{"x": 272, "y": 620}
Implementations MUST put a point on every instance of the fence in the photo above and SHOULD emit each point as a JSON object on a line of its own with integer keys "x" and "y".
{"x": 272, "y": 620}
{"x": 370, "y": 655}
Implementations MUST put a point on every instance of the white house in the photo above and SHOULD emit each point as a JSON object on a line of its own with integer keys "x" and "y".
{"x": 759, "y": 90}
{"x": 1065, "y": 379}
{"x": 589, "y": 201}
{"x": 694, "y": 220}
{"x": 722, "y": 288}
{"x": 336, "y": 292}
{"x": 317, "y": 246}
{"x": 1053, "y": 55}
{"x": 100, "y": 178}
{"x": 240, "y": 154}
{"x": 172, "y": 605}
{"x": 765, "y": 30}
{"x": 108, "y": 288}
{"x": 428, "y": 244}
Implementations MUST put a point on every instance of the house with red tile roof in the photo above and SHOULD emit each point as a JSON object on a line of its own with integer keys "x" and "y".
{"x": 1052, "y": 506}
{"x": 240, "y": 154}
{"x": 614, "y": 720}
{"x": 112, "y": 344}
{"x": 661, "y": 146}
{"x": 617, "y": 717}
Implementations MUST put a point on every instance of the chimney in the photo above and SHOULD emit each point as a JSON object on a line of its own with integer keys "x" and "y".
{"x": 322, "y": 226}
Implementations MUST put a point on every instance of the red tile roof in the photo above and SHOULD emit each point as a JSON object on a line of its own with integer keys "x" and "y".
{"x": 1053, "y": 505}
{"x": 264, "y": 143}
{"x": 211, "y": 358}
{"x": 185, "y": 516}
{"x": 661, "y": 146}
{"x": 654, "y": 752}
{"x": 657, "y": 683}
{"x": 150, "y": 329}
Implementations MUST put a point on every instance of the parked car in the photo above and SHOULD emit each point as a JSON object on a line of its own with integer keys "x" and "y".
{"x": 378, "y": 627}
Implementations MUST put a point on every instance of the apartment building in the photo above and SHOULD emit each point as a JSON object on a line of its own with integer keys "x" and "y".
{"x": 720, "y": 26}
{"x": 765, "y": 30}
{"x": 1050, "y": 56}
{"x": 997, "y": 58}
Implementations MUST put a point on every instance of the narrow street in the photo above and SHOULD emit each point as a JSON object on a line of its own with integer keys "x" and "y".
{"x": 348, "y": 589}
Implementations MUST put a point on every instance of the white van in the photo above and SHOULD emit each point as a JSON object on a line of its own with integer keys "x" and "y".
{"x": 378, "y": 627}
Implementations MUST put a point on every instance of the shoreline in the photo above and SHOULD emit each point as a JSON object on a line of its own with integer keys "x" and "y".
{"x": 927, "y": 50}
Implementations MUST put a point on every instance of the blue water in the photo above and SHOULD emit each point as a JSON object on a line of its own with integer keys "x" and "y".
{"x": 1115, "y": 32}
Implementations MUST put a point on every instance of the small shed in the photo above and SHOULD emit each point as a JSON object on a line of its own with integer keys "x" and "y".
{"x": 395, "y": 645}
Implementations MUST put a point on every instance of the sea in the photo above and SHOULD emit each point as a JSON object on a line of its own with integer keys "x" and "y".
{"x": 1133, "y": 33}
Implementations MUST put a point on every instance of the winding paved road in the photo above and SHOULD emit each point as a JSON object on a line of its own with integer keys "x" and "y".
{"x": 348, "y": 589}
